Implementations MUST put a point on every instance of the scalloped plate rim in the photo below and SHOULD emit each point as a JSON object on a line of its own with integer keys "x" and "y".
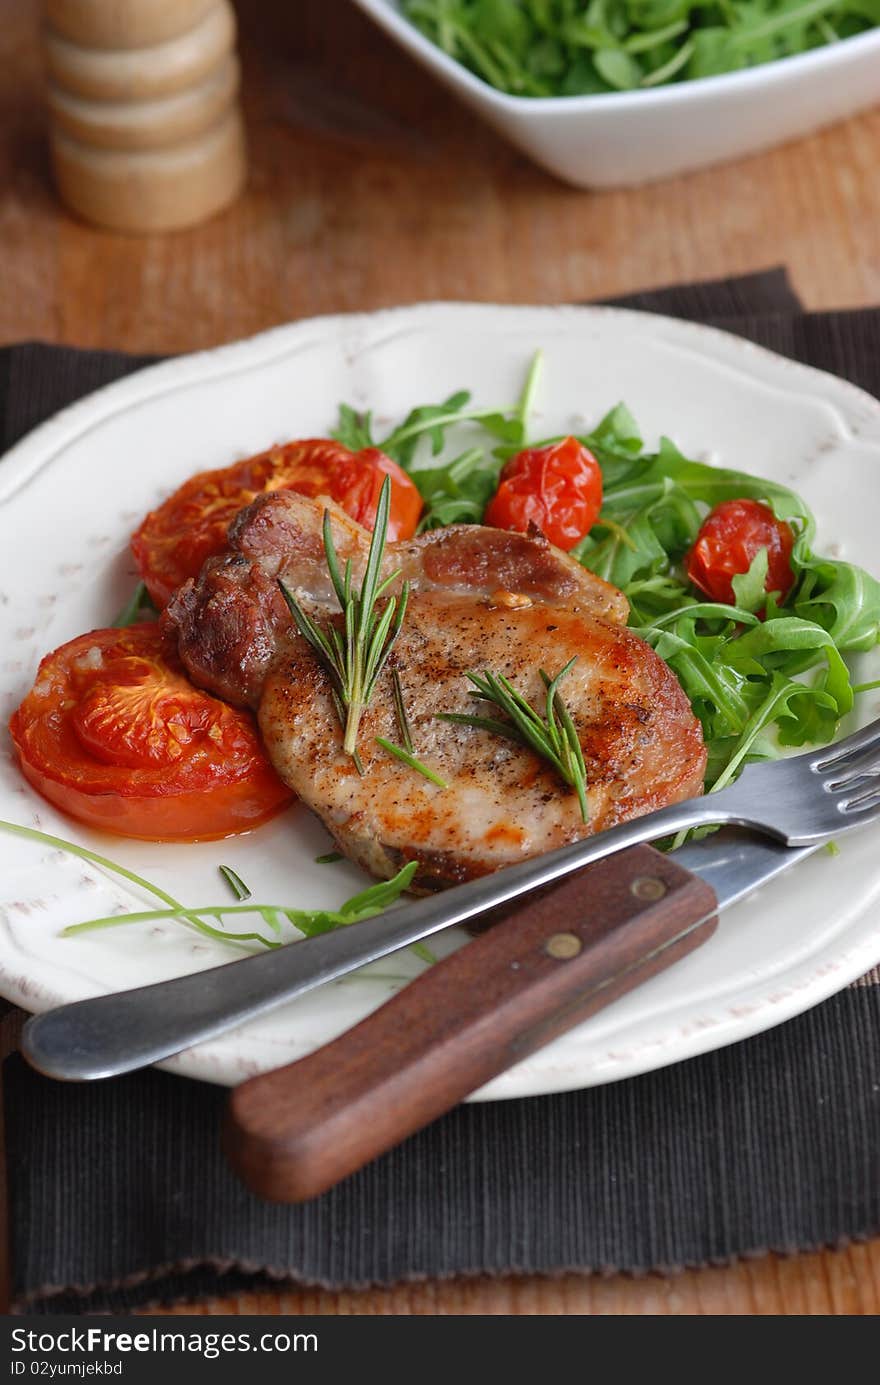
{"x": 853, "y": 409}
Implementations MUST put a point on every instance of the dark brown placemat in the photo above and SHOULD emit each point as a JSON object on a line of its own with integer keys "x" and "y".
{"x": 119, "y": 1195}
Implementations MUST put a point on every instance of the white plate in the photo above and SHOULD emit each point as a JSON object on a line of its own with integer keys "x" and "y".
{"x": 619, "y": 138}
{"x": 72, "y": 491}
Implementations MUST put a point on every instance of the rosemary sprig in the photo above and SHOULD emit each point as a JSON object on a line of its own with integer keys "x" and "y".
{"x": 354, "y": 656}
{"x": 407, "y": 758}
{"x": 552, "y": 736}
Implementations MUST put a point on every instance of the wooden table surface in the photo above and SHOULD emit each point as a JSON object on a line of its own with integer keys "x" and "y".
{"x": 370, "y": 186}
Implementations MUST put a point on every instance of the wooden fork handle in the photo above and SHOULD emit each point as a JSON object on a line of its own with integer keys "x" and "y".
{"x": 560, "y": 956}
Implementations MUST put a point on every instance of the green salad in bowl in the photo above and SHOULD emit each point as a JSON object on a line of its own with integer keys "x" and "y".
{"x": 582, "y": 47}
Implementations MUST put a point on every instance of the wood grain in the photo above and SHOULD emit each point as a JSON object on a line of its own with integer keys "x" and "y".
{"x": 553, "y": 959}
{"x": 369, "y": 186}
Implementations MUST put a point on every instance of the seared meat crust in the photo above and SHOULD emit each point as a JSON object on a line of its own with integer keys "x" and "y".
{"x": 480, "y": 598}
{"x": 229, "y": 623}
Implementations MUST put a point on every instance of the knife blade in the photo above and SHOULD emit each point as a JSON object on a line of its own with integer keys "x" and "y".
{"x": 555, "y": 960}
{"x": 737, "y": 863}
{"x": 112, "y": 1034}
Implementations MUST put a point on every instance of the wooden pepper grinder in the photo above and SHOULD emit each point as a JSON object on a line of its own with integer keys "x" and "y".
{"x": 145, "y": 128}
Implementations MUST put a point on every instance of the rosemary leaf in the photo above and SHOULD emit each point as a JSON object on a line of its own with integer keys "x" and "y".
{"x": 498, "y": 728}
{"x": 235, "y": 882}
{"x": 138, "y": 605}
{"x": 400, "y": 709}
{"x": 570, "y": 746}
{"x": 408, "y": 759}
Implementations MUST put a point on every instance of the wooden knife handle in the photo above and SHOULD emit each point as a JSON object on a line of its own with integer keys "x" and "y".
{"x": 560, "y": 956}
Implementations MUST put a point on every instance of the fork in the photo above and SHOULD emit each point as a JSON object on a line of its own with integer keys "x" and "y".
{"x": 800, "y": 801}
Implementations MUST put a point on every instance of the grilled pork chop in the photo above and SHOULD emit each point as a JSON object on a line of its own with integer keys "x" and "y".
{"x": 479, "y": 599}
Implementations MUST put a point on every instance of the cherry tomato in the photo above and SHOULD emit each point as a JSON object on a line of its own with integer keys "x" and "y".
{"x": 173, "y": 542}
{"x": 558, "y": 488}
{"x": 728, "y": 541}
{"x": 113, "y": 733}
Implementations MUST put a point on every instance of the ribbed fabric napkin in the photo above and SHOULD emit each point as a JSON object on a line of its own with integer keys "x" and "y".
{"x": 119, "y": 1195}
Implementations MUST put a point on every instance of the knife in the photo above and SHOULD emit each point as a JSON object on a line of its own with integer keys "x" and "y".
{"x": 116, "y": 1033}
{"x": 561, "y": 955}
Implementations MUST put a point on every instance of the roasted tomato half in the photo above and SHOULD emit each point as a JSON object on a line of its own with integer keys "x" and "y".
{"x": 113, "y": 733}
{"x": 730, "y": 538}
{"x": 558, "y": 488}
{"x": 174, "y": 541}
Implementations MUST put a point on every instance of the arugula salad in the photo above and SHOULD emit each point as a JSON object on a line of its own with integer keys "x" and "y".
{"x": 583, "y": 47}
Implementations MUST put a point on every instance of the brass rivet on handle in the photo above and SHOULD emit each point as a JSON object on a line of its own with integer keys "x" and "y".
{"x": 563, "y": 946}
{"x": 648, "y": 887}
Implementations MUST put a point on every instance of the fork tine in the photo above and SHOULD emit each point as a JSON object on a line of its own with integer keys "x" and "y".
{"x": 864, "y": 804}
{"x": 842, "y": 751}
{"x": 857, "y": 764}
{"x": 855, "y": 783}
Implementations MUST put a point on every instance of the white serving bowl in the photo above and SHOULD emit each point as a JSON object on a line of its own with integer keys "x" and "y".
{"x": 618, "y": 139}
